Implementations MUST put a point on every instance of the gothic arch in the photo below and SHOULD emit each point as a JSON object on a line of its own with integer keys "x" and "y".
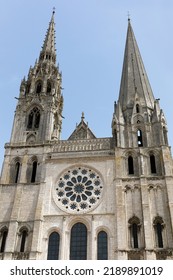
{"x": 159, "y": 228}
{"x": 154, "y": 162}
{"x": 38, "y": 86}
{"x": 23, "y": 238}
{"x": 33, "y": 118}
{"x": 78, "y": 242}
{"x": 3, "y": 238}
{"x": 53, "y": 229}
{"x": 32, "y": 169}
{"x": 31, "y": 138}
{"x": 138, "y": 119}
{"x": 102, "y": 245}
{"x": 53, "y": 250}
{"x": 75, "y": 220}
{"x": 15, "y": 170}
{"x": 128, "y": 188}
{"x": 134, "y": 232}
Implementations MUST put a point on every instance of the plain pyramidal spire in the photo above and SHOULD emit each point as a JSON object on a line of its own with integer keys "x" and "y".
{"x": 134, "y": 81}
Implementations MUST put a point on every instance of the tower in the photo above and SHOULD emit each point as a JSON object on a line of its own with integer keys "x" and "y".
{"x": 143, "y": 162}
{"x": 86, "y": 197}
{"x": 38, "y": 116}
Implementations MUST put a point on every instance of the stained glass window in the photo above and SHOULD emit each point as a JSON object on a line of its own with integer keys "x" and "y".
{"x": 53, "y": 246}
{"x": 78, "y": 242}
{"x": 102, "y": 246}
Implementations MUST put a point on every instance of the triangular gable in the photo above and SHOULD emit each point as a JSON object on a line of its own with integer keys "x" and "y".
{"x": 82, "y": 131}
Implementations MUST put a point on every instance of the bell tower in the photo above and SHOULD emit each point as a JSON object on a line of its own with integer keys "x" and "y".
{"x": 38, "y": 116}
{"x": 143, "y": 163}
{"x": 138, "y": 120}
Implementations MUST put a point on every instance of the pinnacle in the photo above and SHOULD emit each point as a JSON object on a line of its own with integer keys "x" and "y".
{"x": 48, "y": 51}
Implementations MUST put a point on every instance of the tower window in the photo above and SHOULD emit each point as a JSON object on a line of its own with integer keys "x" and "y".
{"x": 130, "y": 165}
{"x": 134, "y": 232}
{"x": 4, "y": 234}
{"x": 159, "y": 235}
{"x": 78, "y": 242}
{"x": 158, "y": 226}
{"x": 139, "y": 138}
{"x": 39, "y": 87}
{"x": 102, "y": 246}
{"x": 134, "y": 229}
{"x": 23, "y": 240}
{"x": 34, "y": 118}
{"x": 137, "y": 108}
{"x": 48, "y": 87}
{"x": 152, "y": 164}
{"x": 17, "y": 168}
{"x": 53, "y": 246}
{"x": 34, "y": 171}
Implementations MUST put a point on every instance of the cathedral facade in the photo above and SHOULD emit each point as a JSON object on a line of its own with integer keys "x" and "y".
{"x": 87, "y": 197}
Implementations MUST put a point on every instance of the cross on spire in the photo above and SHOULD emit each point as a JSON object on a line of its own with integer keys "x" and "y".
{"x": 128, "y": 15}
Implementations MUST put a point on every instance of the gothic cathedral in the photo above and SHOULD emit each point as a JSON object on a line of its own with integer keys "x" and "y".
{"x": 87, "y": 197}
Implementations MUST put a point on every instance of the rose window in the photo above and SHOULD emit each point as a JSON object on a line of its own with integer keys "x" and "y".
{"x": 79, "y": 189}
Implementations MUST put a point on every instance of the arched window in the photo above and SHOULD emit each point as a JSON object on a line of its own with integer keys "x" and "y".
{"x": 34, "y": 171}
{"x": 102, "y": 246}
{"x": 49, "y": 87}
{"x": 4, "y": 233}
{"x": 38, "y": 87}
{"x": 137, "y": 108}
{"x": 34, "y": 119}
{"x": 159, "y": 235}
{"x": 134, "y": 224}
{"x": 152, "y": 164}
{"x": 139, "y": 138}
{"x": 134, "y": 229}
{"x": 78, "y": 242}
{"x": 158, "y": 225}
{"x": 53, "y": 246}
{"x": 24, "y": 234}
{"x": 17, "y": 169}
{"x": 130, "y": 165}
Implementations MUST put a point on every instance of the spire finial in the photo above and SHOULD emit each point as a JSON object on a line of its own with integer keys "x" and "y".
{"x": 54, "y": 9}
{"x": 128, "y": 15}
{"x": 82, "y": 117}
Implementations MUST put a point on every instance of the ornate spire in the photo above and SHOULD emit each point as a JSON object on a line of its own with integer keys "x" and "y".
{"x": 134, "y": 79}
{"x": 48, "y": 50}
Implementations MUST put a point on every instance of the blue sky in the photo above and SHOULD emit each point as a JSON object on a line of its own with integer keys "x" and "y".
{"x": 90, "y": 41}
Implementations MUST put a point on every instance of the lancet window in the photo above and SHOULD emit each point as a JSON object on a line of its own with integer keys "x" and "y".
{"x": 78, "y": 242}
{"x": 53, "y": 246}
{"x": 34, "y": 119}
{"x": 102, "y": 246}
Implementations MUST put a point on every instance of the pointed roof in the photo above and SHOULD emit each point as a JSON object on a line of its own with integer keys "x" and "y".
{"x": 48, "y": 47}
{"x": 134, "y": 77}
{"x": 82, "y": 131}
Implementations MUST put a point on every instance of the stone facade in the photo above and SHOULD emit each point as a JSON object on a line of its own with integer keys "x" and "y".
{"x": 121, "y": 187}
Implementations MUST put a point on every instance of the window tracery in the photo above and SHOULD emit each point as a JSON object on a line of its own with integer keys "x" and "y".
{"x": 34, "y": 119}
{"x": 79, "y": 189}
